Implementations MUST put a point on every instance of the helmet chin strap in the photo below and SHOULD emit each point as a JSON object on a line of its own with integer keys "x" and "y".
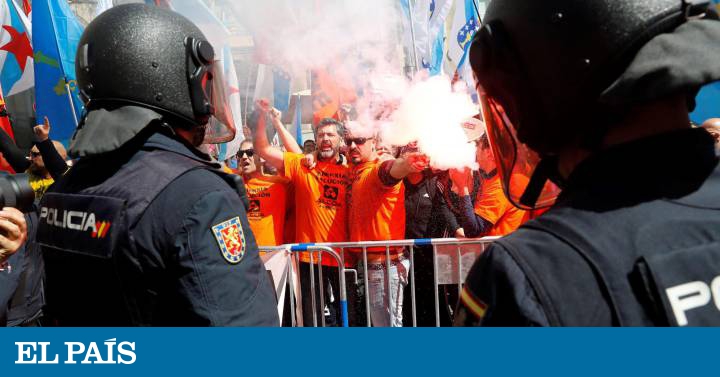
{"x": 545, "y": 170}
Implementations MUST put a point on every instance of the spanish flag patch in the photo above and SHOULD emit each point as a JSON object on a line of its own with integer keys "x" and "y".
{"x": 472, "y": 303}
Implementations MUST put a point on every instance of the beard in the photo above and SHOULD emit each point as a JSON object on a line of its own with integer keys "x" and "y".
{"x": 37, "y": 170}
{"x": 328, "y": 154}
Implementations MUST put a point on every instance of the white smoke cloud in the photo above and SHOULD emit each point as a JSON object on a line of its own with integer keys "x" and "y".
{"x": 359, "y": 42}
{"x": 431, "y": 113}
{"x": 300, "y": 35}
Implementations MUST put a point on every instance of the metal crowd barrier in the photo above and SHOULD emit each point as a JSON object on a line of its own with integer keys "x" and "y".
{"x": 451, "y": 261}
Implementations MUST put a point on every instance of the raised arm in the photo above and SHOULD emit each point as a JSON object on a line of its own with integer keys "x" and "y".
{"x": 472, "y": 224}
{"x": 410, "y": 163}
{"x": 286, "y": 138}
{"x": 261, "y": 144}
{"x": 52, "y": 157}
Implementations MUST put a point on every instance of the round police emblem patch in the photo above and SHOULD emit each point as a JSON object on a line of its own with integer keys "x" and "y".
{"x": 231, "y": 239}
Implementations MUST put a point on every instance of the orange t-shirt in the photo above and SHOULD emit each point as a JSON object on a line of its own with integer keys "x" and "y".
{"x": 268, "y": 201}
{"x": 289, "y": 236}
{"x": 493, "y": 206}
{"x": 320, "y": 201}
{"x": 377, "y": 212}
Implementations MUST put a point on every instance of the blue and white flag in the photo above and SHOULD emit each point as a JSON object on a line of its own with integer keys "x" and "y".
{"x": 465, "y": 23}
{"x": 56, "y": 36}
{"x": 428, "y": 29}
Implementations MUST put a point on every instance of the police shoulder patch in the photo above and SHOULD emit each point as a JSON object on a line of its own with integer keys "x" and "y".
{"x": 231, "y": 239}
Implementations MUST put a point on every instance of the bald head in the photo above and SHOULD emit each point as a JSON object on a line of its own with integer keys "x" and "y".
{"x": 60, "y": 149}
{"x": 37, "y": 165}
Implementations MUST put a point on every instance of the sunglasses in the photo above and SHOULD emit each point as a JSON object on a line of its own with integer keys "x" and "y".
{"x": 358, "y": 141}
{"x": 248, "y": 152}
{"x": 34, "y": 154}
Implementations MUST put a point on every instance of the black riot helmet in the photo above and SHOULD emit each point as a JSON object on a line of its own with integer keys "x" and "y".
{"x": 143, "y": 57}
{"x": 548, "y": 71}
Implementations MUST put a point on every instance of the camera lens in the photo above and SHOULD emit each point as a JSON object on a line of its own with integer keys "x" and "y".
{"x": 16, "y": 192}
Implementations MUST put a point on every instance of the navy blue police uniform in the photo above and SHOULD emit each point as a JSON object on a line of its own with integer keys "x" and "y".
{"x": 632, "y": 241}
{"x": 152, "y": 234}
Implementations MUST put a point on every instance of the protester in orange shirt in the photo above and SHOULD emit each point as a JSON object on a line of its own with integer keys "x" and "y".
{"x": 267, "y": 196}
{"x": 377, "y": 213}
{"x": 492, "y": 214}
{"x": 320, "y": 203}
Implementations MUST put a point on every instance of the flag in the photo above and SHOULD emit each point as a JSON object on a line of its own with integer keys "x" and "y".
{"x": 273, "y": 83}
{"x": 298, "y": 120}
{"x": 16, "y": 52}
{"x": 466, "y": 22}
{"x": 27, "y": 9}
{"x": 427, "y": 27}
{"x": 329, "y": 91}
{"x": 219, "y": 37}
{"x": 55, "y": 38}
{"x": 281, "y": 89}
{"x": 439, "y": 10}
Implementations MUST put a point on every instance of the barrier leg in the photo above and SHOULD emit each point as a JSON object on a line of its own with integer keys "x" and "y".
{"x": 312, "y": 290}
{"x": 291, "y": 288}
{"x": 435, "y": 287}
{"x": 366, "y": 290}
{"x": 321, "y": 284}
{"x": 412, "y": 284}
{"x": 459, "y": 258}
{"x": 387, "y": 300}
{"x": 343, "y": 296}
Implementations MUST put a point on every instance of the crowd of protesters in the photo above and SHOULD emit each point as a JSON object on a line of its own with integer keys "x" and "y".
{"x": 339, "y": 187}
{"x": 346, "y": 186}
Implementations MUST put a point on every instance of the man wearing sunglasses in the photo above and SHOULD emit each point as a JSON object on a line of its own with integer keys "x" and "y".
{"x": 267, "y": 195}
{"x": 377, "y": 213}
{"x": 320, "y": 204}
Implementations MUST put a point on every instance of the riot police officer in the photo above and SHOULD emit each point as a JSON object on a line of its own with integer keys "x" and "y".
{"x": 144, "y": 230}
{"x": 593, "y": 96}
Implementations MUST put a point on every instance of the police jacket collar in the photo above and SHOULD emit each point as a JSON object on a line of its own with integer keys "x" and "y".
{"x": 666, "y": 166}
{"x": 163, "y": 141}
{"x": 105, "y": 130}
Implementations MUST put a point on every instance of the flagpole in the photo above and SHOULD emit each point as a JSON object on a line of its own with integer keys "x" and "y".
{"x": 477, "y": 10}
{"x": 62, "y": 68}
{"x": 412, "y": 35}
{"x": 72, "y": 105}
{"x": 247, "y": 95}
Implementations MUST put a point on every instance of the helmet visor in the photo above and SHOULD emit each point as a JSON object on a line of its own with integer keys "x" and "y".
{"x": 221, "y": 125}
{"x": 515, "y": 162}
